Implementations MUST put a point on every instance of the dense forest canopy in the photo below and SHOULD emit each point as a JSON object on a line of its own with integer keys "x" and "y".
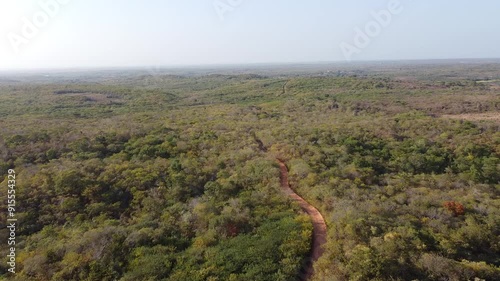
{"x": 135, "y": 176}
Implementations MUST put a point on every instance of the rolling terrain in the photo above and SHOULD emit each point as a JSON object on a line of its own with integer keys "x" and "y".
{"x": 385, "y": 172}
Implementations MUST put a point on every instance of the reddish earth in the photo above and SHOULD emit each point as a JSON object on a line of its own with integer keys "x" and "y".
{"x": 319, "y": 225}
{"x": 494, "y": 116}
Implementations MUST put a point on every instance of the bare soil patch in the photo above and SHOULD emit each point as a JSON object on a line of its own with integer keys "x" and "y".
{"x": 493, "y": 116}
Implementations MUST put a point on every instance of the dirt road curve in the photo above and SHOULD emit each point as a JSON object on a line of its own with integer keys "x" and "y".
{"x": 319, "y": 226}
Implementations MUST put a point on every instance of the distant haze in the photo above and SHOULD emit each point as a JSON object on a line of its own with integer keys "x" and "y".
{"x": 126, "y": 33}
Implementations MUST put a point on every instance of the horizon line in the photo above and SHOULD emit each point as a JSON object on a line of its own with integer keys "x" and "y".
{"x": 235, "y": 65}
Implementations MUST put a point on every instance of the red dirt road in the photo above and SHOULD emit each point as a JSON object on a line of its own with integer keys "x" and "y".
{"x": 319, "y": 225}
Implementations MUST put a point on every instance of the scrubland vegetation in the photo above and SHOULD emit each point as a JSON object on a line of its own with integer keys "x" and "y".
{"x": 141, "y": 177}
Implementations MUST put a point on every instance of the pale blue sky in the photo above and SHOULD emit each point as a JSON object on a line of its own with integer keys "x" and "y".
{"x": 112, "y": 33}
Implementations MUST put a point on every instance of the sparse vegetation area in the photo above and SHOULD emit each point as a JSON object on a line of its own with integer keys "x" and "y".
{"x": 141, "y": 177}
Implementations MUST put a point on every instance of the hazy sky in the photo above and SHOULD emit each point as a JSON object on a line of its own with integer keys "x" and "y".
{"x": 115, "y": 33}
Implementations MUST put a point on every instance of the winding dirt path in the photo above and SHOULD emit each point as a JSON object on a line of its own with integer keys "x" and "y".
{"x": 319, "y": 225}
{"x": 284, "y": 87}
